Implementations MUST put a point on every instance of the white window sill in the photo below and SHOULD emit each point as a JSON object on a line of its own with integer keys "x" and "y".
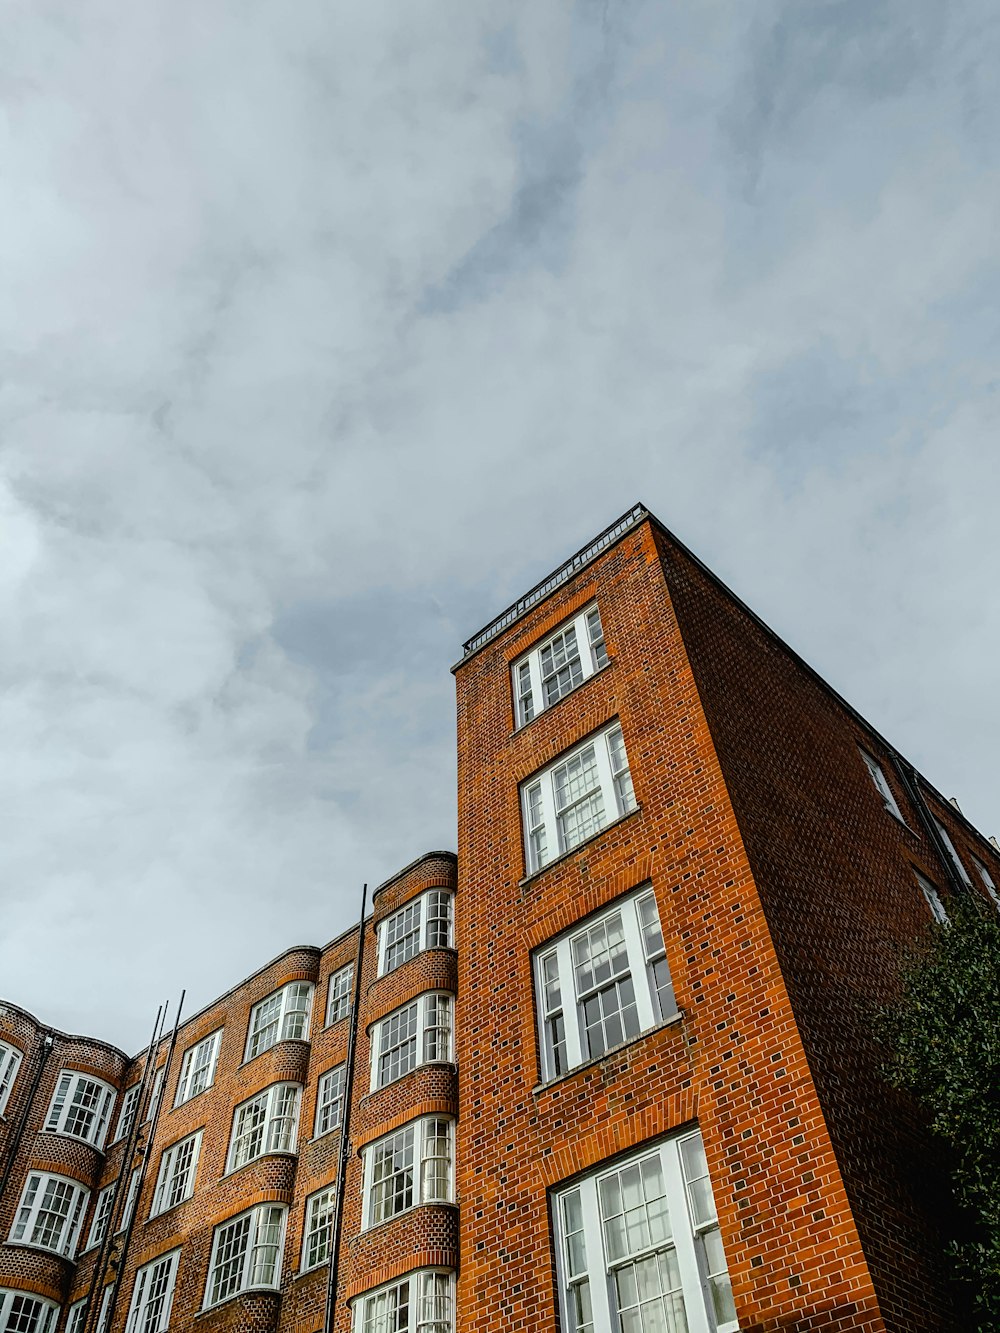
{"x": 424, "y": 1064}
{"x": 73, "y": 1138}
{"x": 278, "y": 1152}
{"x": 610, "y": 1053}
{"x": 573, "y": 851}
{"x": 405, "y": 1212}
{"x": 245, "y": 1291}
{"x": 575, "y": 690}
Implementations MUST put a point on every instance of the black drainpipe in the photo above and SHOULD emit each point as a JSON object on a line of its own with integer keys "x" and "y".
{"x": 45, "y": 1045}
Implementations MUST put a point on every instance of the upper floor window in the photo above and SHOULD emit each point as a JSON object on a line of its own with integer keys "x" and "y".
{"x": 329, "y": 1101}
{"x": 153, "y": 1295}
{"x": 933, "y": 899}
{"x": 175, "y": 1180}
{"x": 126, "y": 1116}
{"x": 424, "y": 923}
{"x": 282, "y": 1016}
{"x": 602, "y": 983}
{"x": 882, "y": 785}
{"x": 577, "y": 796}
{"x": 22, "y": 1313}
{"x": 953, "y": 855}
{"x": 558, "y": 665}
{"x": 417, "y": 1034}
{"x": 411, "y": 1166}
{"x": 102, "y": 1215}
{"x": 316, "y": 1233}
{"x": 638, "y": 1246}
{"x": 10, "y": 1062}
{"x": 246, "y": 1253}
{"x": 266, "y": 1123}
{"x": 198, "y": 1068}
{"x": 154, "y": 1097}
{"x": 984, "y": 875}
{"x": 131, "y": 1198}
{"x": 50, "y": 1213}
{"x": 338, "y": 994}
{"x": 421, "y": 1302}
{"x": 81, "y": 1107}
{"x": 74, "y": 1320}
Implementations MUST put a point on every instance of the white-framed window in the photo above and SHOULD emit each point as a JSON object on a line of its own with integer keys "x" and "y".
{"x": 338, "y": 994}
{"x": 575, "y": 797}
{"x": 81, "y": 1106}
{"x": 50, "y": 1212}
{"x": 74, "y": 1320}
{"x": 265, "y": 1123}
{"x": 421, "y": 1302}
{"x": 131, "y": 1197}
{"x": 153, "y": 1294}
{"x": 104, "y": 1314}
{"x": 933, "y": 899}
{"x": 638, "y": 1246}
{"x": 246, "y": 1253}
{"x": 126, "y": 1115}
{"x": 154, "y": 1096}
{"x": 198, "y": 1067}
{"x": 102, "y": 1215}
{"x": 424, "y": 923}
{"x": 411, "y": 1166}
{"x": 329, "y": 1101}
{"x": 316, "y": 1234}
{"x": 23, "y": 1313}
{"x": 956, "y": 860}
{"x": 175, "y": 1179}
{"x": 882, "y": 785}
{"x": 10, "y": 1062}
{"x": 281, "y": 1016}
{"x": 558, "y": 665}
{"x": 988, "y": 881}
{"x": 602, "y": 983}
{"x": 417, "y": 1034}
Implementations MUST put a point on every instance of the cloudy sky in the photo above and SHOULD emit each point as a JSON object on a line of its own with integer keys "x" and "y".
{"x": 326, "y": 329}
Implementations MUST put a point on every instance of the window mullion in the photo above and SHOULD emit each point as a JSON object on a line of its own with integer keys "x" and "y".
{"x": 638, "y": 967}
{"x": 575, "y": 1054}
{"x": 606, "y": 776}
{"x": 602, "y": 1297}
{"x": 553, "y": 839}
{"x": 692, "y": 1277}
{"x": 535, "y": 672}
{"x": 583, "y": 645}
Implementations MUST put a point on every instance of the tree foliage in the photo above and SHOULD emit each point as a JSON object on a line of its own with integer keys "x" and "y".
{"x": 944, "y": 1035}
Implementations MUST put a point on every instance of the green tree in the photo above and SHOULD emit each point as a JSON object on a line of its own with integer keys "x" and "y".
{"x": 944, "y": 1035}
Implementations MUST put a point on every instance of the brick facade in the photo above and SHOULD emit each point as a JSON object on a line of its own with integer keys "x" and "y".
{"x": 785, "y": 890}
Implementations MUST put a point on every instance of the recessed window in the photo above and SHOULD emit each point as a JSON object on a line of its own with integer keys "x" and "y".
{"x": 266, "y": 1123}
{"x": 131, "y": 1198}
{"x": 21, "y": 1313}
{"x": 638, "y": 1245}
{"x": 417, "y": 1034}
{"x": 126, "y": 1116}
{"x": 50, "y": 1212}
{"x": 419, "y": 1303}
{"x": 282, "y": 1016}
{"x": 558, "y": 665}
{"x": 953, "y": 855}
{"x": 410, "y": 1167}
{"x": 338, "y": 995}
{"x": 316, "y": 1233}
{"x": 175, "y": 1179}
{"x": 101, "y": 1215}
{"x": 329, "y": 1101}
{"x": 424, "y": 923}
{"x": 10, "y": 1062}
{"x": 198, "y": 1068}
{"x": 576, "y": 797}
{"x": 74, "y": 1320}
{"x": 602, "y": 983}
{"x": 933, "y": 899}
{"x": 988, "y": 881}
{"x": 81, "y": 1107}
{"x": 153, "y": 1295}
{"x": 882, "y": 785}
{"x": 246, "y": 1253}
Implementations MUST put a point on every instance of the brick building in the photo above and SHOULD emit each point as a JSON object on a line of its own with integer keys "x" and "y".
{"x": 611, "y": 1070}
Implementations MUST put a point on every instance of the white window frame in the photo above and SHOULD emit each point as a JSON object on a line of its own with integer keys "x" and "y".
{"x": 287, "y": 1022}
{"x": 101, "y": 1219}
{"x": 582, "y": 1259}
{"x": 45, "y": 1312}
{"x": 318, "y": 1218}
{"x": 432, "y": 1027}
{"x": 417, "y": 1150}
{"x": 178, "y": 1169}
{"x": 426, "y": 1293}
{"x": 154, "y": 1097}
{"x": 420, "y": 927}
{"x": 10, "y": 1063}
{"x": 547, "y": 827}
{"x": 74, "y": 1319}
{"x": 339, "y": 994}
{"x": 34, "y": 1196}
{"x": 548, "y": 669}
{"x": 252, "y": 1262}
{"x": 988, "y": 882}
{"x": 325, "y": 1102}
{"x": 153, "y": 1295}
{"x": 933, "y": 899}
{"x": 877, "y": 775}
{"x": 104, "y": 1313}
{"x": 127, "y": 1111}
{"x": 559, "y": 1003}
{"x": 956, "y": 860}
{"x": 270, "y": 1116}
{"x": 131, "y": 1199}
{"x": 71, "y": 1085}
{"x": 198, "y": 1067}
